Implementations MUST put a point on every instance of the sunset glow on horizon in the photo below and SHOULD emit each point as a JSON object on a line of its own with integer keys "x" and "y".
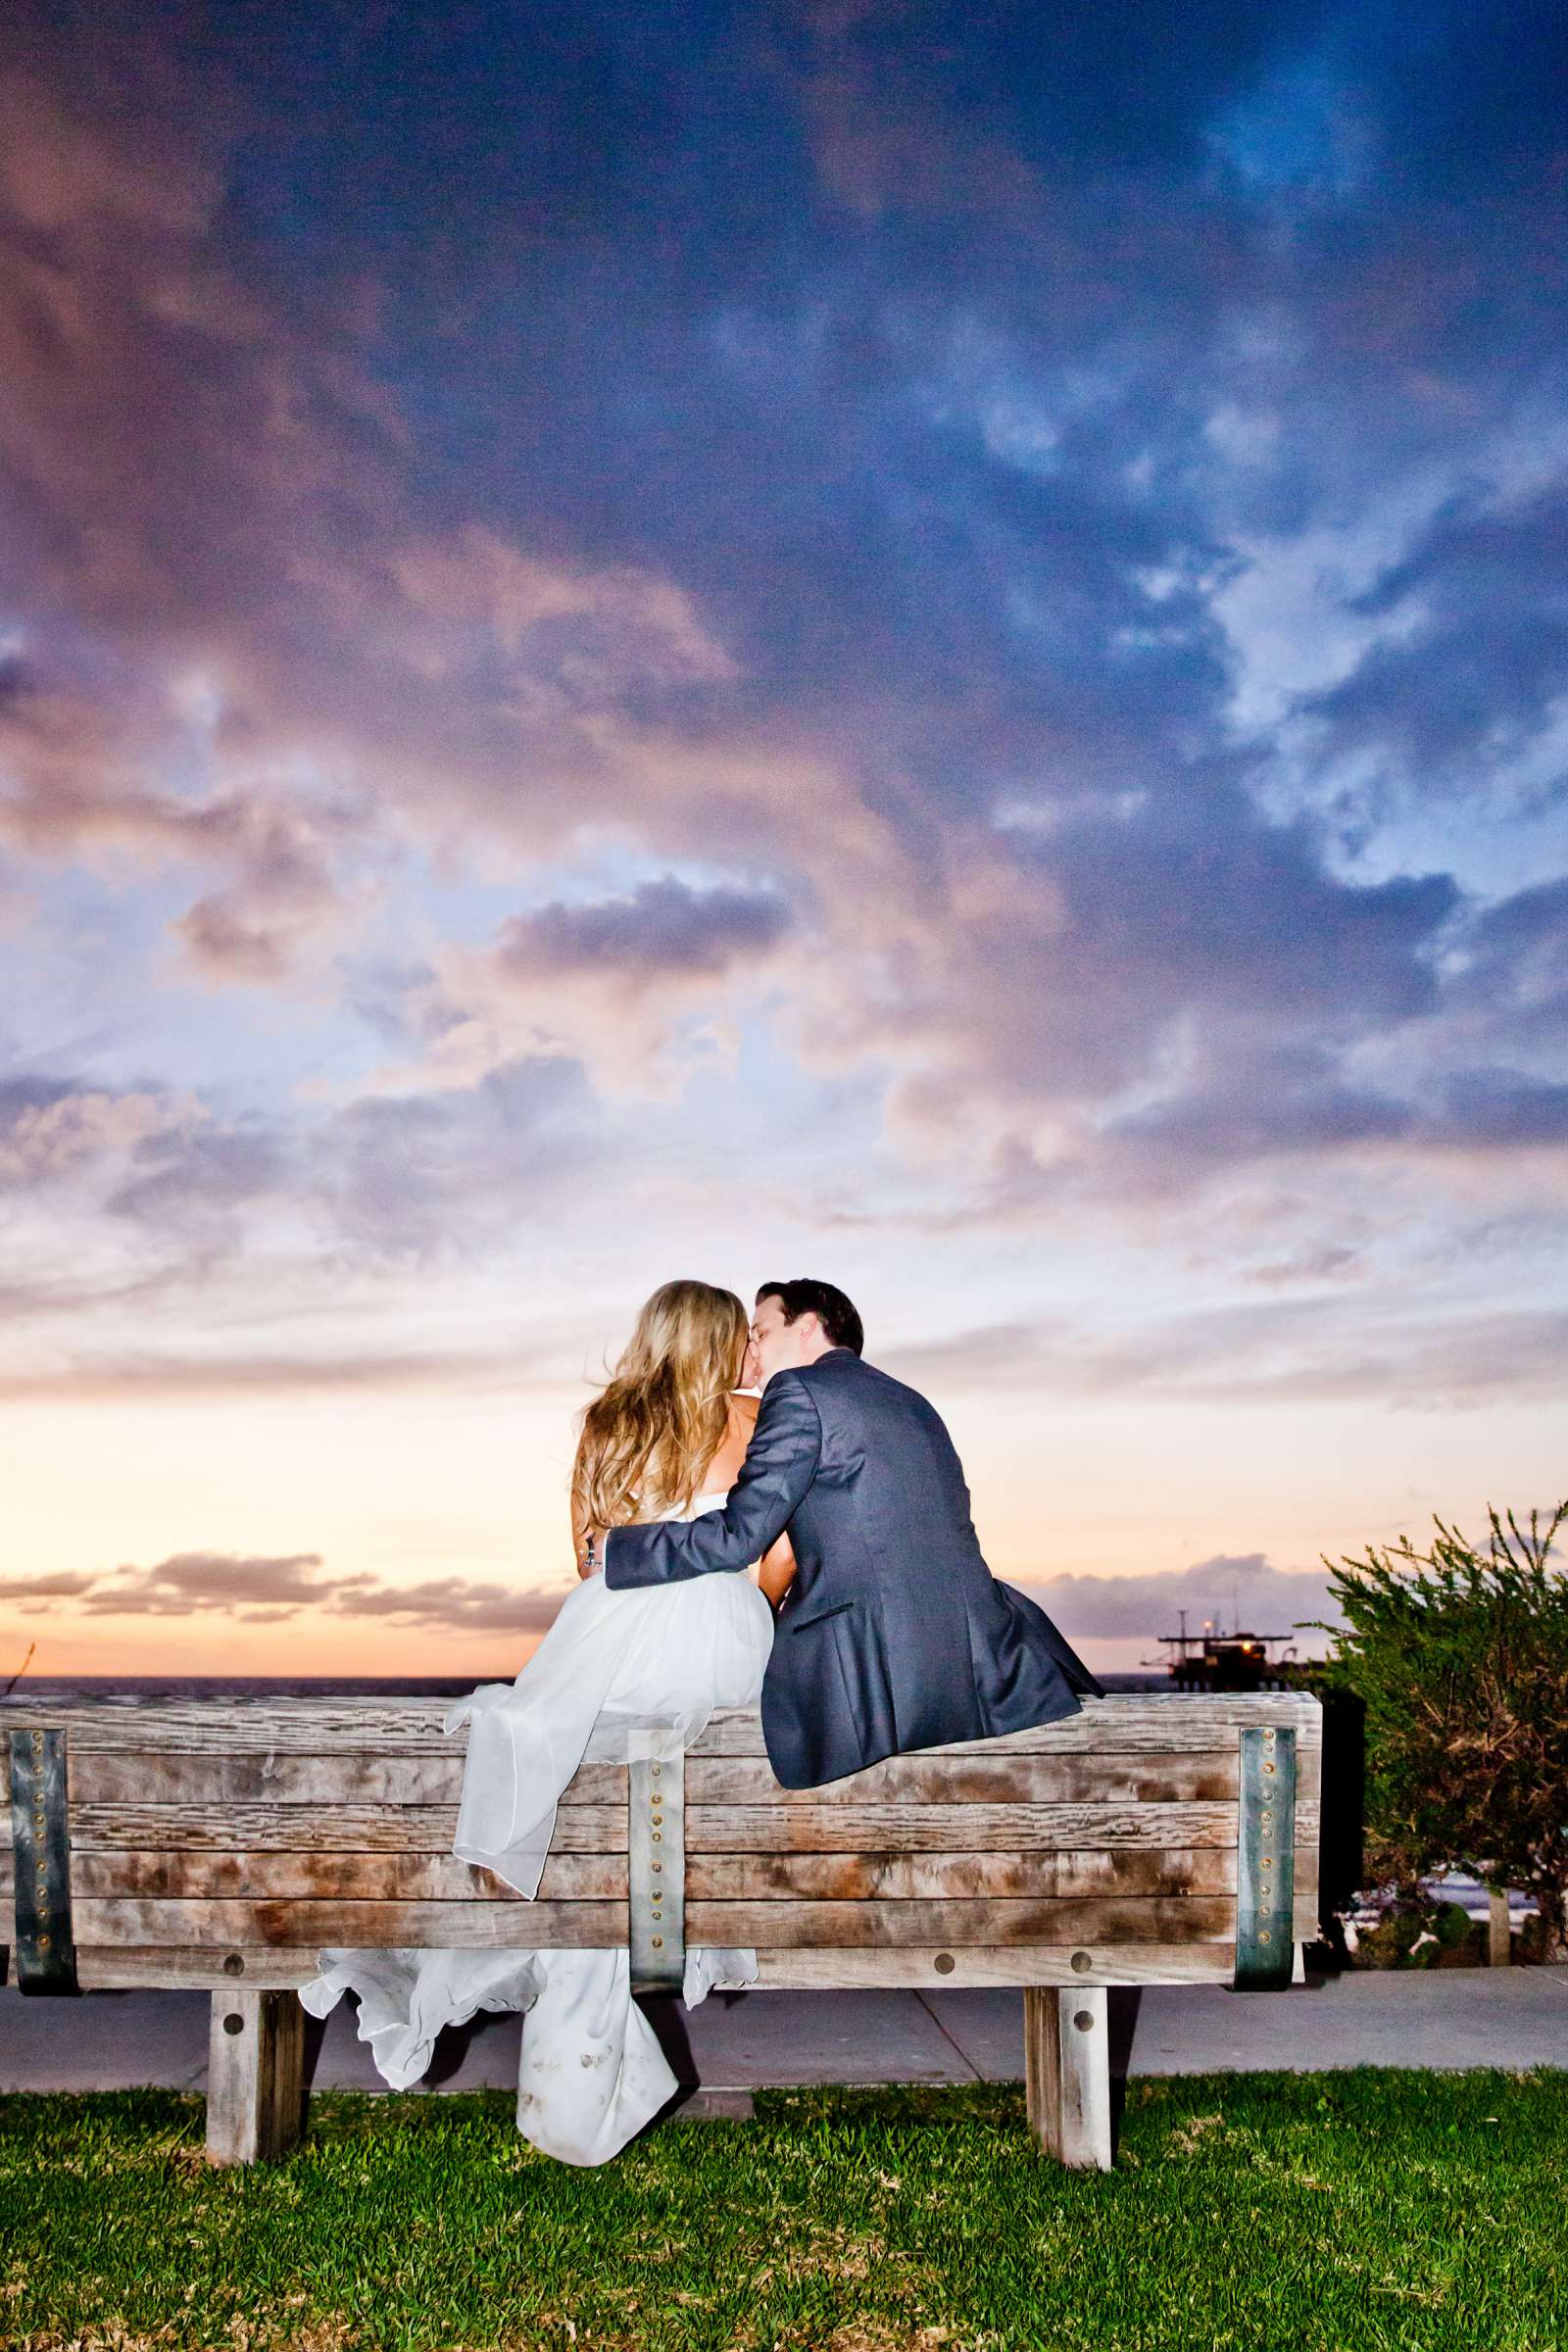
{"x": 924, "y": 650}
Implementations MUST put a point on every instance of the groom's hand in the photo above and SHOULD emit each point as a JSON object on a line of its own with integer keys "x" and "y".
{"x": 593, "y": 1555}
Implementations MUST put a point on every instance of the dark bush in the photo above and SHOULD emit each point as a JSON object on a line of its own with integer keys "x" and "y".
{"x": 1460, "y": 1656}
{"x": 1421, "y": 1935}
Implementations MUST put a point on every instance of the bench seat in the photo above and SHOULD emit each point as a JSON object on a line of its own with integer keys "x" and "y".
{"x": 1169, "y": 1838}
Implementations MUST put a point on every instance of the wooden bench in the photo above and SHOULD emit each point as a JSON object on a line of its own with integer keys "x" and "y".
{"x": 1149, "y": 1840}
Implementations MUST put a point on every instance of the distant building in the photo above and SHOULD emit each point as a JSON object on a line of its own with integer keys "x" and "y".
{"x": 1216, "y": 1660}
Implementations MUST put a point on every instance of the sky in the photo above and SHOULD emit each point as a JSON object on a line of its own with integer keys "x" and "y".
{"x": 918, "y": 644}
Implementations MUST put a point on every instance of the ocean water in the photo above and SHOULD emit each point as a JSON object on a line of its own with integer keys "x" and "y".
{"x": 133, "y": 1688}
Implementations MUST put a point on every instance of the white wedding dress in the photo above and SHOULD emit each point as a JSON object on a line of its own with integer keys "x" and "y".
{"x": 613, "y": 1669}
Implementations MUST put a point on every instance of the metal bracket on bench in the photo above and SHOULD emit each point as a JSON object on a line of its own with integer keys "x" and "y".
{"x": 1265, "y": 1859}
{"x": 41, "y": 1853}
{"x": 656, "y": 1857}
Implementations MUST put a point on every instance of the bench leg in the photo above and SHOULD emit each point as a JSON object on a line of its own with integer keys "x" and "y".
{"x": 1066, "y": 2047}
{"x": 255, "y": 2076}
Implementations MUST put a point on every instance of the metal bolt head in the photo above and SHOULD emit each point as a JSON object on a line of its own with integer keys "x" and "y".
{"x": 234, "y": 1964}
{"x": 1264, "y": 1935}
{"x": 658, "y": 1942}
{"x": 656, "y": 1771}
{"x": 943, "y": 1964}
{"x": 233, "y": 2023}
{"x": 1084, "y": 2020}
{"x": 1082, "y": 1963}
{"x": 44, "y": 1942}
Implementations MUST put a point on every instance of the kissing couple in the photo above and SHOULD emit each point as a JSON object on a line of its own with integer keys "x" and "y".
{"x": 809, "y": 1549}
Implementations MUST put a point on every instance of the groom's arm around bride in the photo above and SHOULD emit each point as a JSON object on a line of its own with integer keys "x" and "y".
{"x": 893, "y": 1636}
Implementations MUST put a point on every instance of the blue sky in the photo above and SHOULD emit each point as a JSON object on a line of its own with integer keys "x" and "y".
{"x": 921, "y": 646}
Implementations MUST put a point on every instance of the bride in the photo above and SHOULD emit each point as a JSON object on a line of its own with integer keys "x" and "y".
{"x": 664, "y": 1440}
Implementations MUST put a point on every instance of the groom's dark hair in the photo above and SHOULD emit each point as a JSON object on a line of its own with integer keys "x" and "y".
{"x": 840, "y": 1322}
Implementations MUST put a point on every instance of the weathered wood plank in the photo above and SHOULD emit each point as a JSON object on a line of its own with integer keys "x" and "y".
{"x": 311, "y": 1725}
{"x": 809, "y": 1828}
{"x": 1092, "y": 1919}
{"x": 294, "y": 1828}
{"x": 1165, "y": 1722}
{"x": 145, "y": 1920}
{"x": 796, "y": 1824}
{"x": 306, "y": 1726}
{"x": 1143, "y": 1919}
{"x": 377, "y": 1878}
{"x": 883, "y": 1830}
{"x": 902, "y": 1877}
{"x": 977, "y": 1780}
{"x": 196, "y": 1777}
{"x": 1132, "y": 1870}
{"x": 120, "y": 1968}
{"x": 933, "y": 1967}
{"x": 140, "y": 1776}
{"x": 383, "y": 1877}
{"x": 127, "y": 1966}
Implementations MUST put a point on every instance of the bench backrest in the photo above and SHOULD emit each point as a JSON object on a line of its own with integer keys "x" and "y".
{"x": 1161, "y": 1839}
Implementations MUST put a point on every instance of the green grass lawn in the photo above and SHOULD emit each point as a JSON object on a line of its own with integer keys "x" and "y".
{"x": 1363, "y": 2209}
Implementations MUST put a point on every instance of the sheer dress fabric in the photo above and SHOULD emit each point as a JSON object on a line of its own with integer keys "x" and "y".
{"x": 613, "y": 1666}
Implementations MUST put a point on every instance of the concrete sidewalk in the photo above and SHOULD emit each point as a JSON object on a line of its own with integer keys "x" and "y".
{"x": 1513, "y": 2018}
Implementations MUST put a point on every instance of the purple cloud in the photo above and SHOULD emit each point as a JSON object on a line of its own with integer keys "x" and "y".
{"x": 273, "y": 1590}
{"x": 1243, "y": 1587}
{"x": 664, "y": 929}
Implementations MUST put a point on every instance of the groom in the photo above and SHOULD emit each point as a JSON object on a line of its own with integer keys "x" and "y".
{"x": 894, "y": 1634}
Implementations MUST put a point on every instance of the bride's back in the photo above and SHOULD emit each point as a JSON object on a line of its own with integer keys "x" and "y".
{"x": 724, "y": 1465}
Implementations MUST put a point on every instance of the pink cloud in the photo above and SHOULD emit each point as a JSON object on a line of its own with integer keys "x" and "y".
{"x": 44, "y": 1139}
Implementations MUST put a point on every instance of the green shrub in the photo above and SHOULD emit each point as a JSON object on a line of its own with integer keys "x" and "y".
{"x": 1417, "y": 1934}
{"x": 1460, "y": 1655}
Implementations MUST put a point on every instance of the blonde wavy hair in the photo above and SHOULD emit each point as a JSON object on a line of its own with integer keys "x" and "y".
{"x": 652, "y": 1431}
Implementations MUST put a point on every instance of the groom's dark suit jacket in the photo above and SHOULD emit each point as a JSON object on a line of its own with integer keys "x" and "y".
{"x": 894, "y": 1634}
